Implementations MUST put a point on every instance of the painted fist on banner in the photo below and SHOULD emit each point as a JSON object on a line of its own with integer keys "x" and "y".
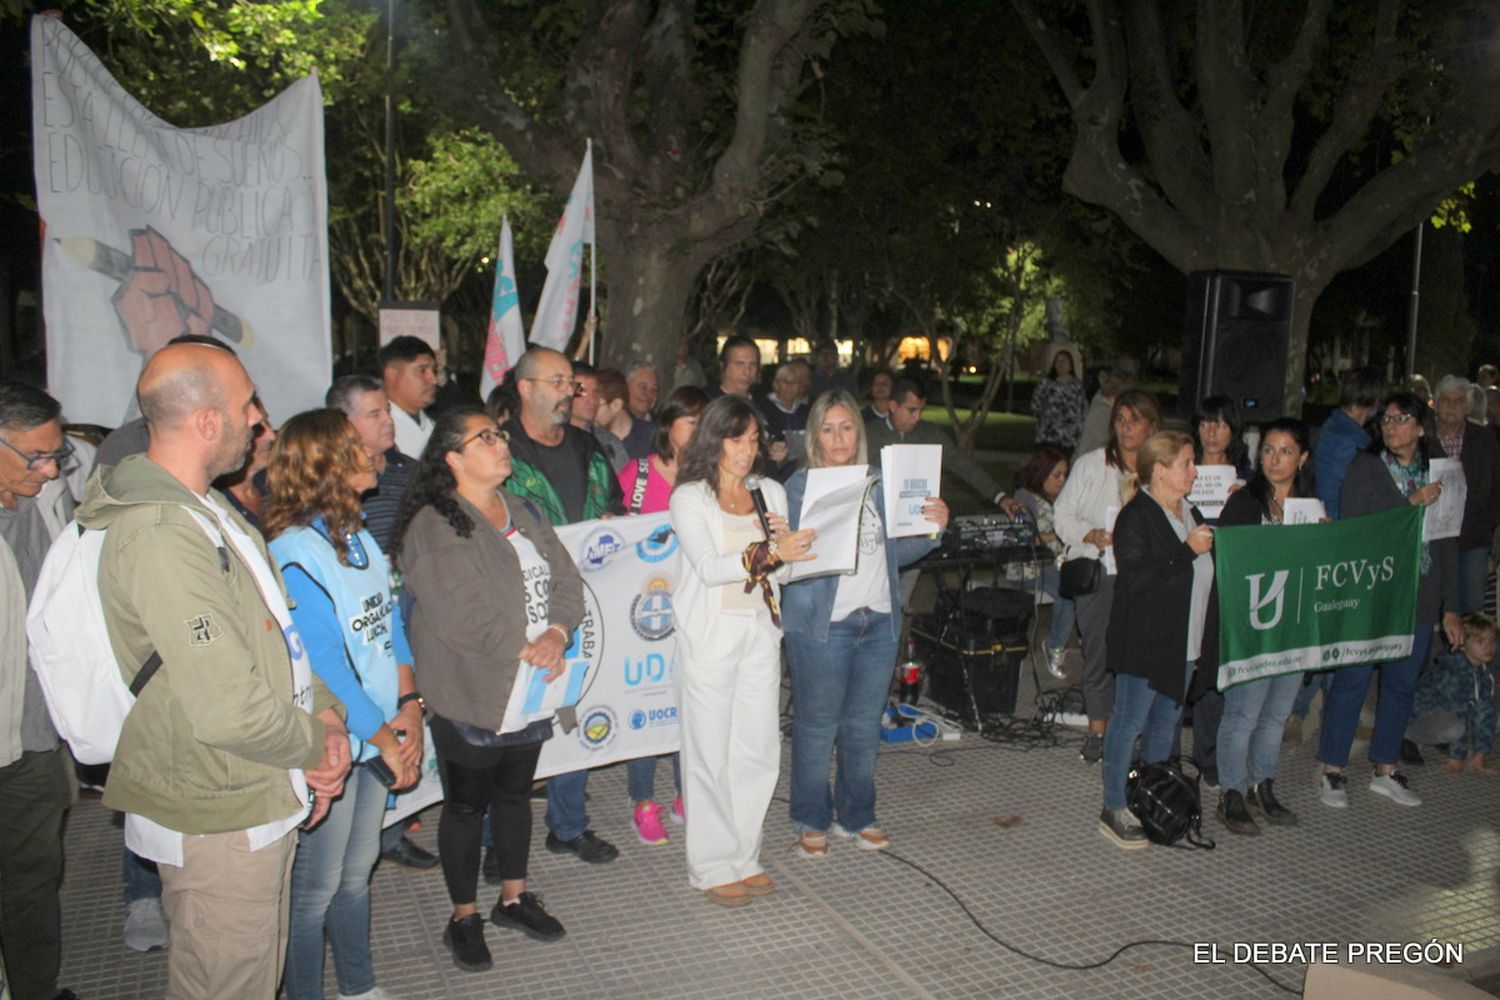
{"x": 161, "y": 298}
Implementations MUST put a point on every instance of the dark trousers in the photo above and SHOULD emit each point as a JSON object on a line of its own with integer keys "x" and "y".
{"x": 34, "y": 796}
{"x": 503, "y": 785}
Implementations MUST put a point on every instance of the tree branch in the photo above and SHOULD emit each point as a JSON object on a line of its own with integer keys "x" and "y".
{"x": 1226, "y": 89}
{"x": 1359, "y": 104}
{"x": 1057, "y": 53}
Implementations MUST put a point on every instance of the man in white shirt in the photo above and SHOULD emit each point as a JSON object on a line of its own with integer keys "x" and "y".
{"x": 408, "y": 370}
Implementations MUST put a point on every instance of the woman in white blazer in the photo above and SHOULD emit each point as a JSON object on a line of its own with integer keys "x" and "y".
{"x": 728, "y": 670}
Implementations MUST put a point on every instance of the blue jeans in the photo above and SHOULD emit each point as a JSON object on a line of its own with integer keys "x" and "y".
{"x": 1138, "y": 712}
{"x": 1250, "y": 732}
{"x": 1346, "y": 695}
{"x": 1064, "y": 614}
{"x": 331, "y": 892}
{"x": 1473, "y": 567}
{"x": 1313, "y": 682}
{"x": 839, "y": 689}
{"x": 640, "y": 774}
{"x": 567, "y": 804}
{"x": 141, "y": 878}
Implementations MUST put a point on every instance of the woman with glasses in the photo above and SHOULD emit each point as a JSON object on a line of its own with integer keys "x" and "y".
{"x": 493, "y": 588}
{"x": 1394, "y": 472}
{"x": 346, "y": 613}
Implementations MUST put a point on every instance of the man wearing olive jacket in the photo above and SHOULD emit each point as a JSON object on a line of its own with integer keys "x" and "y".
{"x": 216, "y": 758}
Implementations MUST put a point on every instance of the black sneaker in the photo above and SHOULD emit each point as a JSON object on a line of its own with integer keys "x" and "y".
{"x": 587, "y": 846}
{"x": 1233, "y": 814}
{"x": 1093, "y": 748}
{"x": 1261, "y": 798}
{"x": 526, "y": 914}
{"x": 1121, "y": 826}
{"x": 1210, "y": 778}
{"x": 409, "y": 855}
{"x": 490, "y": 867}
{"x": 465, "y": 939}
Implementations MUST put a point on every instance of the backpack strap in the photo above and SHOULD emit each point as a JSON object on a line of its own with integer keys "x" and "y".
{"x": 642, "y": 480}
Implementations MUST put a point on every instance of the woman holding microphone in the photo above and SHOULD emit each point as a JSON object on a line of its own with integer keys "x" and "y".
{"x": 729, "y": 647}
{"x": 841, "y": 634}
{"x": 1156, "y": 620}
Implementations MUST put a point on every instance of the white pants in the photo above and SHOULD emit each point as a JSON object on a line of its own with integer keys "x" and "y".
{"x": 731, "y": 745}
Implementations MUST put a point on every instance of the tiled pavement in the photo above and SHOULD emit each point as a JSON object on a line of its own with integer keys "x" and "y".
{"x": 865, "y": 925}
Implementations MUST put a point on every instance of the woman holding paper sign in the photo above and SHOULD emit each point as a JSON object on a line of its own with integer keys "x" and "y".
{"x": 841, "y": 635}
{"x": 1095, "y": 486}
{"x": 1255, "y": 712}
{"x": 728, "y": 671}
{"x": 494, "y": 587}
{"x": 1394, "y": 473}
{"x": 1157, "y": 619}
{"x": 344, "y": 610}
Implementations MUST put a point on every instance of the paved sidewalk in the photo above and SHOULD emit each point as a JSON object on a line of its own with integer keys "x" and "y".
{"x": 1013, "y": 834}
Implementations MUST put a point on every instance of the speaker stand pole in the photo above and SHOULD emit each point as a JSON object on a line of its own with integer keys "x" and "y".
{"x": 1416, "y": 297}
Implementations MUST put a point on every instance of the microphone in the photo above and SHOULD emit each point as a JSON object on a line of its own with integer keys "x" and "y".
{"x": 752, "y": 483}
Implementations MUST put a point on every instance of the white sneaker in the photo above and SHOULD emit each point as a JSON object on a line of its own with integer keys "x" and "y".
{"x": 1331, "y": 791}
{"x": 1055, "y": 662}
{"x": 373, "y": 994}
{"x": 146, "y": 925}
{"x": 1393, "y": 786}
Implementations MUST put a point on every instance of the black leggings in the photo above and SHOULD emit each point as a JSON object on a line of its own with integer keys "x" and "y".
{"x": 504, "y": 787}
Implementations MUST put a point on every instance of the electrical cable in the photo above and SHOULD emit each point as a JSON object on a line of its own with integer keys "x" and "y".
{"x": 1066, "y": 966}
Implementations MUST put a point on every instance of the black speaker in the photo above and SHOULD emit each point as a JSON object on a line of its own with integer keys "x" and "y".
{"x": 1235, "y": 339}
{"x": 969, "y": 672}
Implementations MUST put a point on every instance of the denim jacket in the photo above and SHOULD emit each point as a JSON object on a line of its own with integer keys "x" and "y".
{"x": 807, "y": 605}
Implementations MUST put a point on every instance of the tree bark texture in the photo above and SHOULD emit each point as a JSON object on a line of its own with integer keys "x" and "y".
{"x": 1217, "y": 185}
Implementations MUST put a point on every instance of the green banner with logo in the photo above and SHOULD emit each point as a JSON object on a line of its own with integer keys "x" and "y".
{"x": 1315, "y": 596}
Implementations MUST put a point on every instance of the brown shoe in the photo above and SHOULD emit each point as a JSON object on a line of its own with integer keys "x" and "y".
{"x": 813, "y": 845}
{"x": 731, "y": 895}
{"x": 759, "y": 885}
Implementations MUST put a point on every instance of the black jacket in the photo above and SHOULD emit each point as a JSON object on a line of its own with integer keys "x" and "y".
{"x": 1148, "y": 621}
{"x": 1369, "y": 489}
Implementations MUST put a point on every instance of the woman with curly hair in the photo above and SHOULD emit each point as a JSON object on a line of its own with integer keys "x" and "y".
{"x": 493, "y": 588}
{"x": 347, "y": 617}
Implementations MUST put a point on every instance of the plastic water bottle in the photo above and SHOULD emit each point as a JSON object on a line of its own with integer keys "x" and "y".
{"x": 909, "y": 674}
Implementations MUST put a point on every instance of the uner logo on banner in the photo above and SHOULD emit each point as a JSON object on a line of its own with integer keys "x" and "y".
{"x": 1257, "y": 602}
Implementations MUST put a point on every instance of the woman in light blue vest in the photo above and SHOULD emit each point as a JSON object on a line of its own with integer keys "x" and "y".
{"x": 841, "y": 633}
{"x": 345, "y": 611}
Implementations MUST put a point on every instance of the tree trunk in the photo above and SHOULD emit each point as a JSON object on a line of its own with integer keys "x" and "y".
{"x": 650, "y": 283}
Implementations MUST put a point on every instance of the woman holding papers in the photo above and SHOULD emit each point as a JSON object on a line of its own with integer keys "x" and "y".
{"x": 1255, "y": 712}
{"x": 494, "y": 588}
{"x": 728, "y": 670}
{"x": 1093, "y": 493}
{"x": 1156, "y": 623}
{"x": 841, "y": 635}
{"x": 340, "y": 587}
{"x": 1395, "y": 472}
{"x": 646, "y": 485}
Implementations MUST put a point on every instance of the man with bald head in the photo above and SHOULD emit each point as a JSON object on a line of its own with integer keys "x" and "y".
{"x": 218, "y": 756}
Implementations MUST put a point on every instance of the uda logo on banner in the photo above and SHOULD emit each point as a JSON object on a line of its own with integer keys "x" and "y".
{"x": 1277, "y": 593}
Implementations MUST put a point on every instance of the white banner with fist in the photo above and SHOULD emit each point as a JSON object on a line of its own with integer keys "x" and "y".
{"x": 151, "y": 231}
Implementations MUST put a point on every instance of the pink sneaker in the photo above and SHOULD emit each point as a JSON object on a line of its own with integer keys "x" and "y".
{"x": 677, "y": 815}
{"x": 648, "y": 823}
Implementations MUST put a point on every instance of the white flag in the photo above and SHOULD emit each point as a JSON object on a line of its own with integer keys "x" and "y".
{"x": 506, "y": 341}
{"x": 552, "y": 326}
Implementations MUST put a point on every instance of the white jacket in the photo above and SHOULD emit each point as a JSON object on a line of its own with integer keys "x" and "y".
{"x": 1092, "y": 486}
{"x": 704, "y": 570}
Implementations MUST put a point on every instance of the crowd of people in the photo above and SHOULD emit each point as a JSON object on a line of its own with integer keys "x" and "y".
{"x": 383, "y": 562}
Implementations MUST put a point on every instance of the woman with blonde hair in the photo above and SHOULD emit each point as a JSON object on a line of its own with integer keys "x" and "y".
{"x": 841, "y": 633}
{"x": 345, "y": 612}
{"x": 1156, "y": 622}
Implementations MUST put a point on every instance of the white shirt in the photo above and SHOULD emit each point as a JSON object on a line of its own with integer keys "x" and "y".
{"x": 869, "y": 586}
{"x": 411, "y": 432}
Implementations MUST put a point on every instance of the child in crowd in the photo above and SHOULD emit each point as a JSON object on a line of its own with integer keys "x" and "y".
{"x": 1462, "y": 685}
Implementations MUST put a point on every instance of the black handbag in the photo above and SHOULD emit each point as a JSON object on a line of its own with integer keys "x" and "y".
{"x": 1078, "y": 577}
{"x": 1166, "y": 802}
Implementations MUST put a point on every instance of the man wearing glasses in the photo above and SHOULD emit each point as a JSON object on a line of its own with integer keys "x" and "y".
{"x": 34, "y": 778}
{"x": 566, "y": 474}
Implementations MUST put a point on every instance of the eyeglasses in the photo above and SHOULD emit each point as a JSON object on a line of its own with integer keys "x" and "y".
{"x": 32, "y": 461}
{"x": 559, "y": 383}
{"x": 1387, "y": 419}
{"x": 490, "y": 437}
